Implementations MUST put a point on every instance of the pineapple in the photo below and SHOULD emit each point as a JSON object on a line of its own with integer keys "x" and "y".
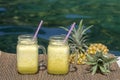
{"x": 100, "y": 62}
{"x": 77, "y": 41}
{"x": 93, "y": 48}
{"x": 81, "y": 58}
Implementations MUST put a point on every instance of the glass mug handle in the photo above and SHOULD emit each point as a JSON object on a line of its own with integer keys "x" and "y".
{"x": 42, "y": 63}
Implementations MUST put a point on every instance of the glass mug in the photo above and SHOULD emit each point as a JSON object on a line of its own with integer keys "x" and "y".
{"x": 58, "y": 55}
{"x": 27, "y": 54}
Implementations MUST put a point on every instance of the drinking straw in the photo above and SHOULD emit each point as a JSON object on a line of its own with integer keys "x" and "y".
{"x": 35, "y": 35}
{"x": 72, "y": 26}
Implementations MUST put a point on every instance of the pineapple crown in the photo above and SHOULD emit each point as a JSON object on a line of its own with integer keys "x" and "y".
{"x": 78, "y": 37}
{"x": 100, "y": 62}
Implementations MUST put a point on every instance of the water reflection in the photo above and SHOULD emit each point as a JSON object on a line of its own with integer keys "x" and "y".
{"x": 72, "y": 16}
{"x": 104, "y": 15}
{"x": 44, "y": 33}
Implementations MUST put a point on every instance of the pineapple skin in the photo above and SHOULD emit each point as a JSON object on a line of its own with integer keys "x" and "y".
{"x": 93, "y": 48}
{"x": 81, "y": 58}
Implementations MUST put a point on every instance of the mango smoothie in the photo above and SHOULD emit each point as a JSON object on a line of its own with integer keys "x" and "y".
{"x": 27, "y": 57}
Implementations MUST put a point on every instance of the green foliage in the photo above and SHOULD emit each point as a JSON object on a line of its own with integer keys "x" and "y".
{"x": 78, "y": 37}
{"x": 99, "y": 62}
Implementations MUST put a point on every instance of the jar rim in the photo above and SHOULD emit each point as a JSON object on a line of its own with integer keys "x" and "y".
{"x": 26, "y": 39}
{"x": 26, "y": 36}
{"x": 57, "y": 38}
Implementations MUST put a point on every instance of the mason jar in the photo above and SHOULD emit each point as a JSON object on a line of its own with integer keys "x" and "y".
{"x": 27, "y": 54}
{"x": 58, "y": 55}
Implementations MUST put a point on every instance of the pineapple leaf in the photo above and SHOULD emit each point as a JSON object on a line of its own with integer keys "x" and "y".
{"x": 71, "y": 39}
{"x": 91, "y": 63}
{"x": 75, "y": 31}
{"x": 110, "y": 60}
{"x": 82, "y": 50}
{"x": 83, "y": 38}
{"x": 64, "y": 28}
{"x": 83, "y": 32}
{"x": 85, "y": 45}
{"x": 89, "y": 57}
{"x": 99, "y": 54}
{"x": 106, "y": 68}
{"x": 99, "y": 61}
{"x": 108, "y": 71}
{"x": 80, "y": 34}
{"x": 104, "y": 58}
{"x": 80, "y": 27}
{"x": 94, "y": 69}
{"x": 102, "y": 69}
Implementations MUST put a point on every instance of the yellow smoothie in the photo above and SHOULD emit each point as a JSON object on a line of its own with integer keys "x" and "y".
{"x": 27, "y": 57}
{"x": 58, "y": 58}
